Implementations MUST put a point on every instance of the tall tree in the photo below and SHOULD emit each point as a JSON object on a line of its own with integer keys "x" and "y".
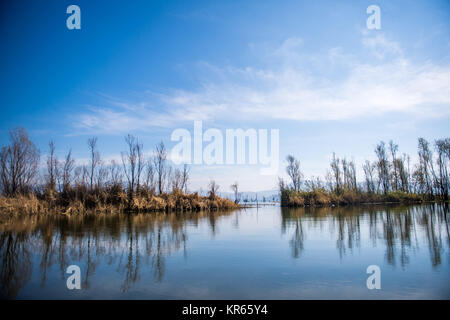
{"x": 426, "y": 165}
{"x": 213, "y": 189}
{"x": 393, "y": 148}
{"x": 18, "y": 163}
{"x": 369, "y": 173}
{"x": 67, "y": 168}
{"x": 235, "y": 188}
{"x": 336, "y": 173}
{"x": 184, "y": 178}
{"x": 293, "y": 171}
{"x": 94, "y": 160}
{"x": 382, "y": 166}
{"x": 443, "y": 161}
{"x": 115, "y": 175}
{"x": 52, "y": 168}
{"x": 131, "y": 160}
{"x": 160, "y": 165}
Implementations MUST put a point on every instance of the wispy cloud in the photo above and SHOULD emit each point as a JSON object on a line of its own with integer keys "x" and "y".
{"x": 298, "y": 86}
{"x": 381, "y": 46}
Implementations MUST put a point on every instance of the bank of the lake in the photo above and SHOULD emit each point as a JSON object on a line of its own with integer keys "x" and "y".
{"x": 113, "y": 203}
{"x": 322, "y": 197}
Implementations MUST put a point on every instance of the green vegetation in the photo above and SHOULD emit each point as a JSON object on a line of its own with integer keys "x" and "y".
{"x": 390, "y": 178}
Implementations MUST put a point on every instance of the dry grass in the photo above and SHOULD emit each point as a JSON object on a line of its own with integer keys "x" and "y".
{"x": 321, "y": 197}
{"x": 23, "y": 204}
{"x": 175, "y": 201}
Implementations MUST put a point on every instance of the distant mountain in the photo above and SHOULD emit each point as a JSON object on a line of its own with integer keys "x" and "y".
{"x": 250, "y": 196}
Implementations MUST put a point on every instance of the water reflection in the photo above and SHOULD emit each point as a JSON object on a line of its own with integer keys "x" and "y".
{"x": 131, "y": 246}
{"x": 15, "y": 270}
{"x": 124, "y": 241}
{"x": 396, "y": 226}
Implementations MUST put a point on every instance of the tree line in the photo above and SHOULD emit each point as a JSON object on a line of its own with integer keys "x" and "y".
{"x": 20, "y": 164}
{"x": 138, "y": 175}
{"x": 137, "y": 179}
{"x": 390, "y": 174}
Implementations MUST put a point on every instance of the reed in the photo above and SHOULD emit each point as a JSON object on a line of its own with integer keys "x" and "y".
{"x": 97, "y": 203}
{"x": 322, "y": 197}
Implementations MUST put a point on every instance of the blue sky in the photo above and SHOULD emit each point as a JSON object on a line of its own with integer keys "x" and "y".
{"x": 310, "y": 69}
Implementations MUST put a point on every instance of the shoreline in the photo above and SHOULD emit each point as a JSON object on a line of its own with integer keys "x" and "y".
{"x": 321, "y": 197}
{"x": 277, "y": 204}
{"x": 173, "y": 202}
{"x": 169, "y": 203}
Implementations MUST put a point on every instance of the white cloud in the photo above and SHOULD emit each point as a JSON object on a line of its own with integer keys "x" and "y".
{"x": 381, "y": 47}
{"x": 298, "y": 87}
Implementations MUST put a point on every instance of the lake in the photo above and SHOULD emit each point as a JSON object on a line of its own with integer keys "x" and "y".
{"x": 254, "y": 253}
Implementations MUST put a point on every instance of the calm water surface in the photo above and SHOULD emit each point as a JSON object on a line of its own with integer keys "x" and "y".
{"x": 265, "y": 253}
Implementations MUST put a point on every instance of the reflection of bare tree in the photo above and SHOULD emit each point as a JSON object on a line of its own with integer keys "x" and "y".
{"x": 396, "y": 226}
{"x": 133, "y": 258}
{"x": 340, "y": 243}
{"x": 47, "y": 250}
{"x": 389, "y": 236}
{"x": 297, "y": 239}
{"x": 373, "y": 225}
{"x": 158, "y": 262}
{"x": 445, "y": 216}
{"x": 428, "y": 221}
{"x": 125, "y": 240}
{"x": 15, "y": 269}
{"x": 406, "y": 227}
{"x": 348, "y": 227}
{"x": 90, "y": 264}
{"x": 291, "y": 217}
{"x": 212, "y": 223}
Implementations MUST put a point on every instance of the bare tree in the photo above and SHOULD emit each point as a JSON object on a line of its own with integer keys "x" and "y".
{"x": 184, "y": 178}
{"x": 52, "y": 168}
{"x": 140, "y": 164}
{"x": 443, "y": 159}
{"x": 94, "y": 161}
{"x": 149, "y": 175}
{"x": 80, "y": 176}
{"x": 402, "y": 172}
{"x": 18, "y": 163}
{"x": 177, "y": 180}
{"x": 160, "y": 166}
{"x": 349, "y": 172}
{"x": 382, "y": 166}
{"x": 329, "y": 180}
{"x": 293, "y": 170}
{"x": 235, "y": 188}
{"x": 281, "y": 184}
{"x": 67, "y": 169}
{"x": 352, "y": 175}
{"x": 213, "y": 189}
{"x": 130, "y": 160}
{"x": 426, "y": 166}
{"x": 369, "y": 173}
{"x": 336, "y": 172}
{"x": 115, "y": 174}
{"x": 102, "y": 176}
{"x": 393, "y": 148}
